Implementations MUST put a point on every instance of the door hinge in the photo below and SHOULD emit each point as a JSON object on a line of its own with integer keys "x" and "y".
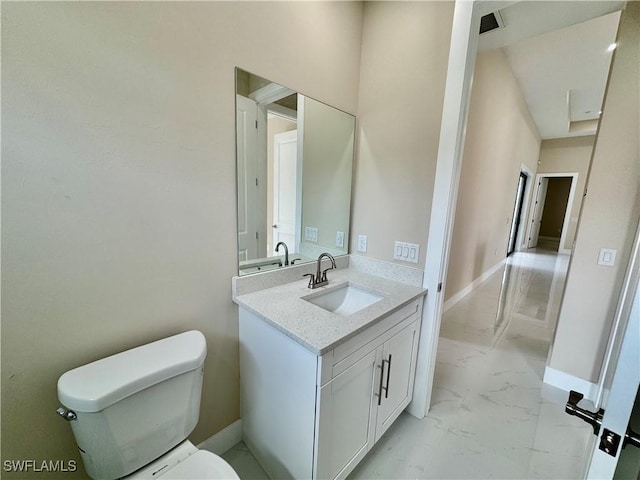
{"x": 256, "y": 235}
{"x": 440, "y": 287}
{"x": 256, "y": 123}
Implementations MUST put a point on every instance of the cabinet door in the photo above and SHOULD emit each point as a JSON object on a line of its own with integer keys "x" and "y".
{"x": 346, "y": 417}
{"x": 398, "y": 358}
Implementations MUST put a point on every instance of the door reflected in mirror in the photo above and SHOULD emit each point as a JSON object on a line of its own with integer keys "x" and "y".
{"x": 294, "y": 158}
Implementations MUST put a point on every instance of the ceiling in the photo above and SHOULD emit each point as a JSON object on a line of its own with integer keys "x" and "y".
{"x": 559, "y": 53}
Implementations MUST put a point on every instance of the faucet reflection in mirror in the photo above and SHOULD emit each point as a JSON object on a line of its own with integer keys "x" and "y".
{"x": 286, "y": 252}
{"x": 294, "y": 168}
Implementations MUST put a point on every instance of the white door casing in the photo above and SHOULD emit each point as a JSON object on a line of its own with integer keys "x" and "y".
{"x": 462, "y": 55}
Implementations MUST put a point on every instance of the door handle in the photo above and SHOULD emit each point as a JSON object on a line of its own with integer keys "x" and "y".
{"x": 610, "y": 441}
{"x": 592, "y": 418}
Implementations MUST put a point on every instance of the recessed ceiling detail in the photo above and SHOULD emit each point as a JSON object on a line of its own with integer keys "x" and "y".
{"x": 560, "y": 53}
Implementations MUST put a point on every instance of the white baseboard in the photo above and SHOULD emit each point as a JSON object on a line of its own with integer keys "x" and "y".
{"x": 224, "y": 439}
{"x": 473, "y": 285}
{"x": 566, "y": 382}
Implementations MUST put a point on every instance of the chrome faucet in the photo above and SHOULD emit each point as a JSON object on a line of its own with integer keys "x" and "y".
{"x": 320, "y": 278}
{"x": 286, "y": 252}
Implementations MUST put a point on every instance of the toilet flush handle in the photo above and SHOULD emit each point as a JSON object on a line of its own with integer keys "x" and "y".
{"x": 68, "y": 415}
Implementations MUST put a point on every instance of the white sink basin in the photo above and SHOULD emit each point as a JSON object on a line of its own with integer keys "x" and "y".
{"x": 345, "y": 300}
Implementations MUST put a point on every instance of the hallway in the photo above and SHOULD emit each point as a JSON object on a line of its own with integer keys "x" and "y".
{"x": 488, "y": 418}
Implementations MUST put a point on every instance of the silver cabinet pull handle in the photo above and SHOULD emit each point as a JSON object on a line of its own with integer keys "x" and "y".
{"x": 380, "y": 387}
{"x": 386, "y": 388}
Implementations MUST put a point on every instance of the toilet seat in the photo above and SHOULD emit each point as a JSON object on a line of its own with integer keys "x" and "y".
{"x": 200, "y": 466}
{"x": 186, "y": 462}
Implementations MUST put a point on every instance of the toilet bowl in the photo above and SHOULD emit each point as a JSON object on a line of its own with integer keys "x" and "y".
{"x": 131, "y": 412}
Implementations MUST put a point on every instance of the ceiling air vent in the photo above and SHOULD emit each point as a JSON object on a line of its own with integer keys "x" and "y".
{"x": 491, "y": 21}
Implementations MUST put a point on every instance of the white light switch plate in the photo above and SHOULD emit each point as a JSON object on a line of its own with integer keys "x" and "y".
{"x": 311, "y": 234}
{"x": 407, "y": 252}
{"x": 340, "y": 239}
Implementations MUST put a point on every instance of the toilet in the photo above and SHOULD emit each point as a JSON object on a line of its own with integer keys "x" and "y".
{"x": 131, "y": 412}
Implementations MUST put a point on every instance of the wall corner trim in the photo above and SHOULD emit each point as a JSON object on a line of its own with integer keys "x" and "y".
{"x": 224, "y": 440}
{"x": 567, "y": 382}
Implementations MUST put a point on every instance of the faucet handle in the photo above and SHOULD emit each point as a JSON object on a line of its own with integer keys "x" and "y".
{"x": 324, "y": 273}
{"x": 311, "y": 279}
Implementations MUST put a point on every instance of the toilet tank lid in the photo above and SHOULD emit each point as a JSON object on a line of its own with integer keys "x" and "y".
{"x": 97, "y": 385}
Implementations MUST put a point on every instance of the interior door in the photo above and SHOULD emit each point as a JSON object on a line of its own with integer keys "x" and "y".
{"x": 538, "y": 208}
{"x": 618, "y": 404}
{"x": 620, "y": 378}
{"x": 285, "y": 165}
{"x": 517, "y": 213}
{"x": 247, "y": 155}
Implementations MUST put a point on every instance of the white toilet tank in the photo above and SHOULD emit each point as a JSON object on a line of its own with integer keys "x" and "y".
{"x": 134, "y": 406}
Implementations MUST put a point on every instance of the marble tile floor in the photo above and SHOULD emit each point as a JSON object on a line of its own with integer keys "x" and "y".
{"x": 490, "y": 415}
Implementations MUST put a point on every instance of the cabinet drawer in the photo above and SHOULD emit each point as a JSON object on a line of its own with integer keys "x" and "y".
{"x": 345, "y": 349}
{"x": 345, "y": 354}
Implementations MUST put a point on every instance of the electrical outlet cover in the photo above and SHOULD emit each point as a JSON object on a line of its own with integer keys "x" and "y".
{"x": 362, "y": 243}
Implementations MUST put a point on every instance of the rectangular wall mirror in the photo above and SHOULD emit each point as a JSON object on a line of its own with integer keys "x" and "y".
{"x": 294, "y": 158}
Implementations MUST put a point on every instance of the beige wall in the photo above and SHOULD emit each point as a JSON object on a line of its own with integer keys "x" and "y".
{"x": 327, "y": 171}
{"x": 568, "y": 155}
{"x": 405, "y": 50}
{"x": 118, "y": 183}
{"x": 609, "y": 216}
{"x": 501, "y": 136}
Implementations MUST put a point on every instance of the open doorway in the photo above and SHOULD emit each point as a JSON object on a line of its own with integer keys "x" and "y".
{"x": 551, "y": 212}
{"x": 454, "y": 135}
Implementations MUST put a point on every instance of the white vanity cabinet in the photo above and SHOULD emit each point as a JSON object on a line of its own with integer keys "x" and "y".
{"x": 316, "y": 415}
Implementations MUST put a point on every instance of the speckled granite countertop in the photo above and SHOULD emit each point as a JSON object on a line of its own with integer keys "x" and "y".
{"x": 320, "y": 330}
